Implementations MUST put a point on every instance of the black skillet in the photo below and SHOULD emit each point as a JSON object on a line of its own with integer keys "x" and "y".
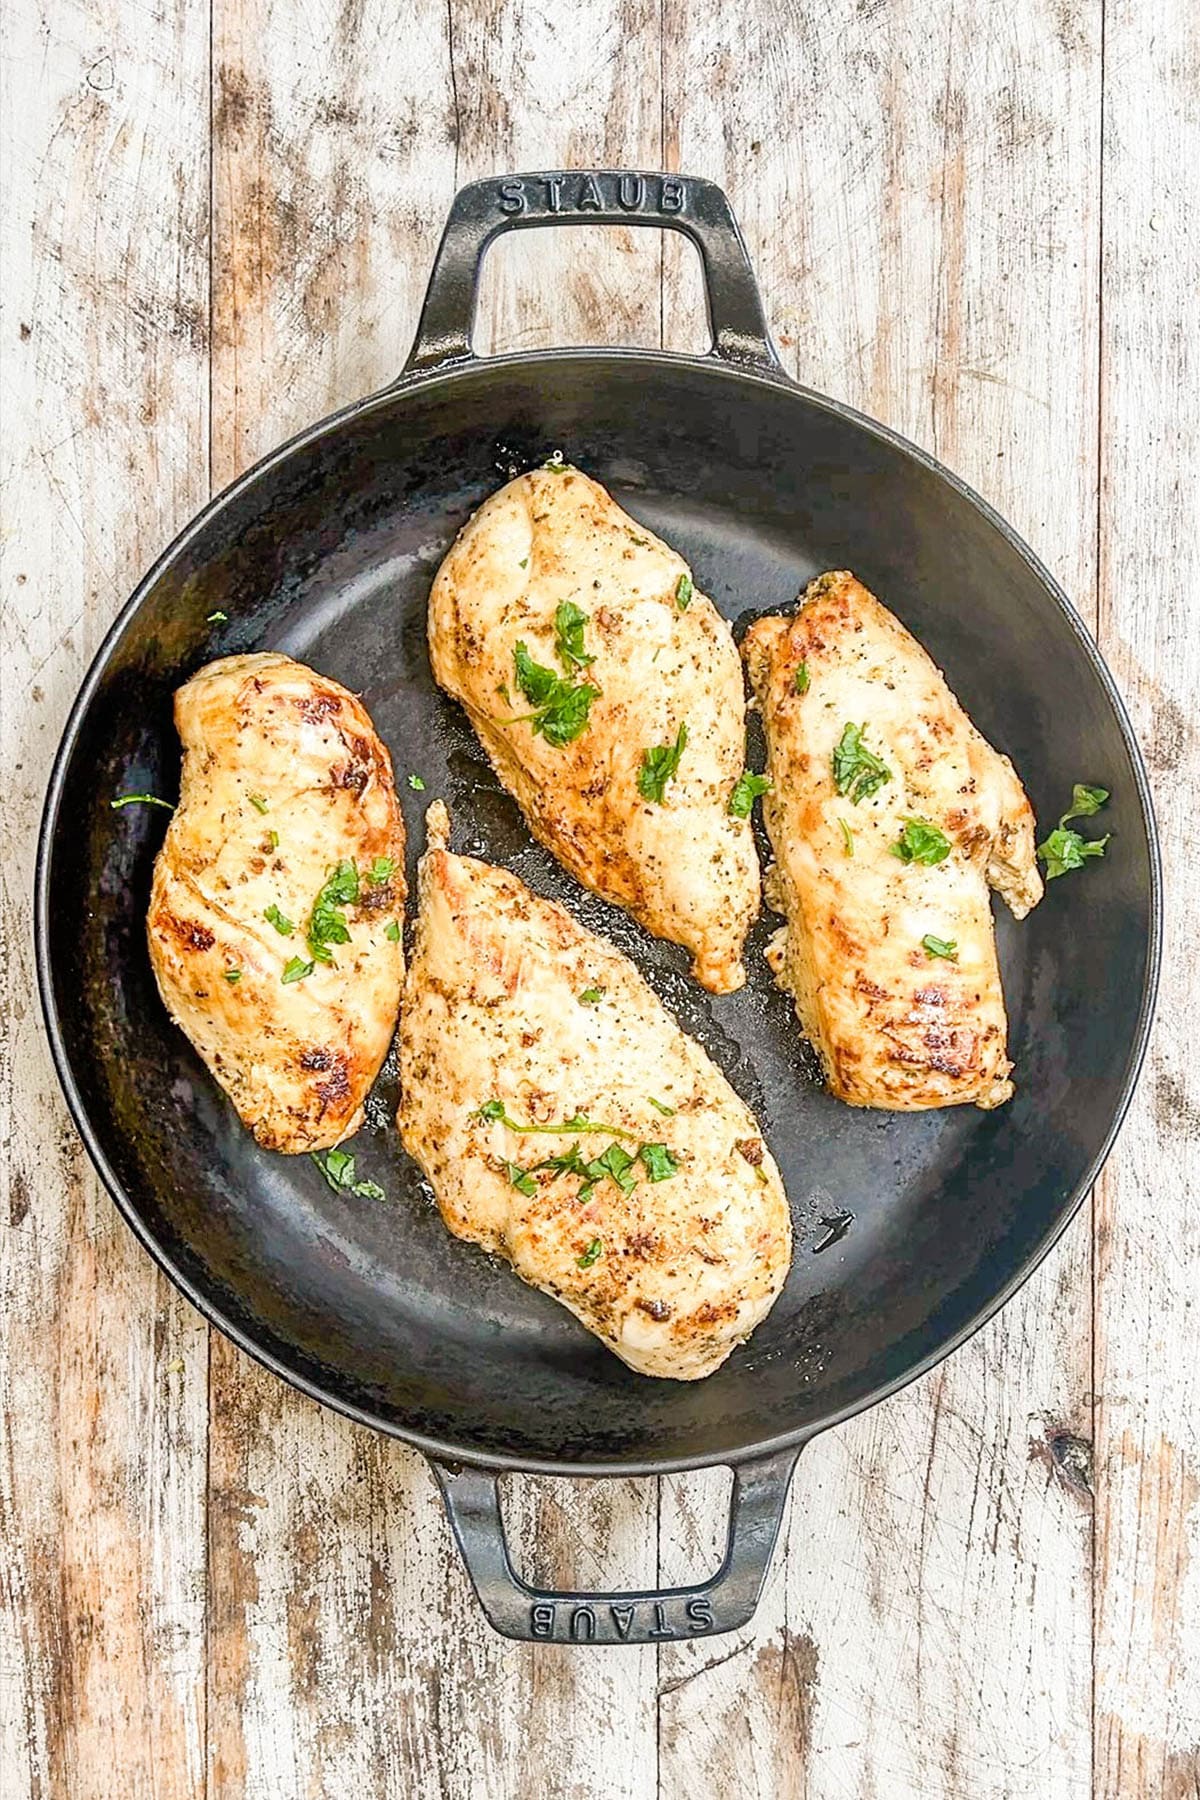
{"x": 910, "y": 1230}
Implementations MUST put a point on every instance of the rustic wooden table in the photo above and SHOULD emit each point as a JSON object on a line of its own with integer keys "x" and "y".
{"x": 974, "y": 220}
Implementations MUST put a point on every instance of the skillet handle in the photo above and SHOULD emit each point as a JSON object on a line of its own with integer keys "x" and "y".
{"x": 516, "y": 1610}
{"x": 684, "y": 203}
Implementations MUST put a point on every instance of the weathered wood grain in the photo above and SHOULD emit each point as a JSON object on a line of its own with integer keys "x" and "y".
{"x": 922, "y": 206}
{"x": 102, "y": 1367}
{"x": 1147, "y": 1377}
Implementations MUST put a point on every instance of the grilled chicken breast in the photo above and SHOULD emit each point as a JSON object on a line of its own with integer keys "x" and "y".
{"x": 890, "y": 817}
{"x": 629, "y": 781}
{"x": 287, "y": 813}
{"x": 567, "y": 1124}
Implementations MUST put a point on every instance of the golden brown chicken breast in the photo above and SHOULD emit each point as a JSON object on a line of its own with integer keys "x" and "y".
{"x": 276, "y": 909}
{"x": 890, "y": 817}
{"x": 606, "y": 690}
{"x": 567, "y": 1124}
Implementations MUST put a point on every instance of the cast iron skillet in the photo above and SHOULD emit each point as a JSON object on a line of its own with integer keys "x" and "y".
{"x": 910, "y": 1230}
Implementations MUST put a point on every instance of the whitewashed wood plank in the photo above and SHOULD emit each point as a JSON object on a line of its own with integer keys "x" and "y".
{"x": 348, "y": 1653}
{"x": 921, "y": 204}
{"x": 102, "y": 1368}
{"x": 1148, "y": 1236}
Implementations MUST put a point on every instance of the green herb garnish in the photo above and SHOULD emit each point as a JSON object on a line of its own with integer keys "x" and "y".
{"x": 233, "y": 976}
{"x": 746, "y": 790}
{"x": 139, "y": 800}
{"x": 569, "y": 621}
{"x": 561, "y": 708}
{"x": 657, "y": 1161}
{"x": 857, "y": 771}
{"x": 847, "y": 837}
{"x": 274, "y": 838}
{"x": 800, "y": 683}
{"x": 591, "y": 996}
{"x": 337, "y": 1166}
{"x": 258, "y": 802}
{"x": 524, "y": 563}
{"x": 1084, "y": 802}
{"x": 391, "y": 931}
{"x": 274, "y": 917}
{"x": 217, "y": 618}
{"x": 416, "y": 784}
{"x": 1066, "y": 850}
{"x": 296, "y": 970}
{"x": 921, "y": 842}
{"x": 381, "y": 871}
{"x": 617, "y": 1163}
{"x": 668, "y": 1112}
{"x": 521, "y": 1179}
{"x": 592, "y": 1254}
{"x": 683, "y": 592}
{"x": 660, "y": 765}
{"x": 327, "y": 923}
{"x": 936, "y": 946}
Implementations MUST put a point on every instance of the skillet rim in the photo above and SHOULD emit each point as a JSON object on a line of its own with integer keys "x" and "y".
{"x": 758, "y": 373}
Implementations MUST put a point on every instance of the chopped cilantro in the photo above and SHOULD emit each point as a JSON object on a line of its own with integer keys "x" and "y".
{"x": 746, "y": 790}
{"x": 274, "y": 917}
{"x": 327, "y": 923}
{"x": 921, "y": 842}
{"x": 337, "y": 1166}
{"x": 274, "y": 839}
{"x": 258, "y": 802}
{"x": 1066, "y": 850}
{"x": 1084, "y": 802}
{"x": 683, "y": 592}
{"x": 857, "y": 771}
{"x": 591, "y": 996}
{"x": 592, "y": 1254}
{"x": 381, "y": 871}
{"x": 217, "y": 618}
{"x": 495, "y": 1110}
{"x": 569, "y": 621}
{"x": 847, "y": 837}
{"x": 800, "y": 683}
{"x": 660, "y": 765}
{"x": 520, "y": 1179}
{"x": 295, "y": 970}
{"x": 562, "y": 709}
{"x": 615, "y": 1162}
{"x": 668, "y": 1112}
{"x": 391, "y": 931}
{"x": 657, "y": 1161}
{"x": 233, "y": 976}
{"x": 936, "y": 946}
{"x": 416, "y": 784}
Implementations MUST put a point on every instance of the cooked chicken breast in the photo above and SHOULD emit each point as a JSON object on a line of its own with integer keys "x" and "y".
{"x": 890, "y": 817}
{"x": 625, "y": 739}
{"x": 567, "y": 1124}
{"x": 275, "y": 912}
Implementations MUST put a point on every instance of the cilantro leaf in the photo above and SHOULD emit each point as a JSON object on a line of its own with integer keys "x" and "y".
{"x": 381, "y": 871}
{"x": 493, "y": 1111}
{"x": 569, "y": 621}
{"x": 568, "y": 1162}
{"x": 217, "y": 618}
{"x": 683, "y": 592}
{"x": 327, "y": 923}
{"x": 1084, "y": 802}
{"x": 539, "y": 684}
{"x": 416, "y": 784}
{"x": 936, "y": 946}
{"x": 521, "y": 1180}
{"x": 660, "y": 765}
{"x": 562, "y": 709}
{"x": 233, "y": 976}
{"x": 617, "y": 1163}
{"x": 295, "y": 969}
{"x": 258, "y": 802}
{"x": 847, "y": 837}
{"x": 668, "y": 1112}
{"x": 337, "y": 1166}
{"x": 921, "y": 842}
{"x": 592, "y": 1254}
{"x": 800, "y": 682}
{"x": 391, "y": 931}
{"x": 282, "y": 924}
{"x": 857, "y": 771}
{"x": 657, "y": 1161}
{"x": 1066, "y": 850}
{"x": 746, "y": 790}
{"x": 591, "y": 996}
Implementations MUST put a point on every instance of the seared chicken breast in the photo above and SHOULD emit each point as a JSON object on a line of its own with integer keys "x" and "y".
{"x": 606, "y": 690}
{"x": 890, "y": 818}
{"x": 567, "y": 1124}
{"x": 275, "y": 911}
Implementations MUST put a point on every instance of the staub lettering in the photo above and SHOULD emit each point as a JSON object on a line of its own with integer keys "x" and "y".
{"x": 621, "y": 1621}
{"x": 594, "y": 194}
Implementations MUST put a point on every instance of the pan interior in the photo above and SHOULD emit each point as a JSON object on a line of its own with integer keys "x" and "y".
{"x": 328, "y": 554}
